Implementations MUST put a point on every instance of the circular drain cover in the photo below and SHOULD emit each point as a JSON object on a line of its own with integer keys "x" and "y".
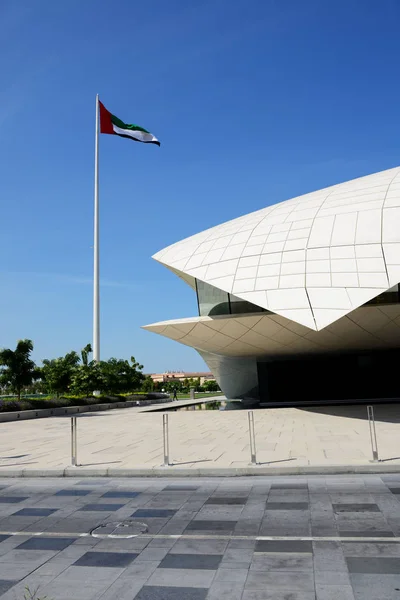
{"x": 119, "y": 529}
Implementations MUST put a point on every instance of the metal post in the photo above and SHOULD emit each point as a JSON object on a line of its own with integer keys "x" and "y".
{"x": 166, "y": 440}
{"x": 252, "y": 438}
{"x": 74, "y": 443}
{"x": 96, "y": 238}
{"x": 372, "y": 432}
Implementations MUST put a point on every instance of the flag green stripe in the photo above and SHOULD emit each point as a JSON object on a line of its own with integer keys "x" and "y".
{"x": 123, "y": 125}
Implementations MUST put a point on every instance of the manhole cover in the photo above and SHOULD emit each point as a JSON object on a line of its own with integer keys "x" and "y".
{"x": 119, "y": 529}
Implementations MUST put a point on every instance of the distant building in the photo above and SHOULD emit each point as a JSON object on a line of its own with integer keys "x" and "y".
{"x": 181, "y": 376}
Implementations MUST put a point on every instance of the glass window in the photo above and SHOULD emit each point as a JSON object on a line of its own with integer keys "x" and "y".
{"x": 239, "y": 306}
{"x": 212, "y": 301}
{"x": 391, "y": 296}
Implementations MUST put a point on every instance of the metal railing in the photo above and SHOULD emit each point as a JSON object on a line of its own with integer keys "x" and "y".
{"x": 252, "y": 438}
{"x": 74, "y": 442}
{"x": 252, "y": 434}
{"x": 166, "y": 440}
{"x": 372, "y": 433}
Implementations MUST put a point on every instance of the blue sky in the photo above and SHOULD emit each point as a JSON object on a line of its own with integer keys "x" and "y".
{"x": 254, "y": 102}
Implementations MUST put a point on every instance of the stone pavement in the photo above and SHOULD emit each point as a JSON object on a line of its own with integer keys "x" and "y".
{"x": 203, "y": 439}
{"x": 253, "y": 538}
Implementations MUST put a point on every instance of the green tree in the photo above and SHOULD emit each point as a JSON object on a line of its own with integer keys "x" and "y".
{"x": 85, "y": 354}
{"x": 147, "y": 384}
{"x": 58, "y": 372}
{"x": 87, "y": 379}
{"x": 88, "y": 376}
{"x": 17, "y": 369}
{"x": 211, "y": 386}
{"x": 119, "y": 376}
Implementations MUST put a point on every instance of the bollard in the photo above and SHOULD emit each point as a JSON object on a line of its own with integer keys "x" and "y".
{"x": 166, "y": 440}
{"x": 74, "y": 443}
{"x": 192, "y": 396}
{"x": 372, "y": 432}
{"x": 252, "y": 438}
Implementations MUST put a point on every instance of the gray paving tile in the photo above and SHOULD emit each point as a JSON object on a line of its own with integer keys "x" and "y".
{"x": 91, "y": 481}
{"x": 227, "y": 526}
{"x": 230, "y": 564}
{"x": 105, "y": 559}
{"x": 140, "y": 570}
{"x": 12, "y": 499}
{"x": 283, "y": 546}
{"x": 277, "y": 595}
{"x": 224, "y": 575}
{"x": 387, "y": 565}
{"x": 355, "y": 507}
{"x": 290, "y": 486}
{"x": 149, "y": 592}
{"x": 227, "y": 590}
{"x": 371, "y": 549}
{"x": 286, "y": 506}
{"x": 149, "y": 513}
{"x": 35, "y": 512}
{"x": 210, "y": 547}
{"x": 43, "y": 543}
{"x": 195, "y": 578}
{"x": 6, "y": 585}
{"x": 244, "y": 543}
{"x": 226, "y": 500}
{"x": 334, "y": 592}
{"x": 328, "y": 556}
{"x": 332, "y": 577}
{"x": 120, "y": 494}
{"x": 375, "y": 587}
{"x": 152, "y": 554}
{"x": 282, "y": 562}
{"x": 238, "y": 555}
{"x": 122, "y": 589}
{"x": 366, "y": 534}
{"x": 274, "y": 580}
{"x": 73, "y": 493}
{"x": 100, "y": 507}
{"x": 191, "y": 561}
{"x": 17, "y": 571}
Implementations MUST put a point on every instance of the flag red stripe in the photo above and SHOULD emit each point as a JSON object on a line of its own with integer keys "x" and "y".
{"x": 105, "y": 120}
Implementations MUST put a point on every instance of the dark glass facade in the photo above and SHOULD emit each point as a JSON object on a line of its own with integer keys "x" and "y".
{"x": 330, "y": 377}
{"x": 213, "y": 301}
{"x": 392, "y": 296}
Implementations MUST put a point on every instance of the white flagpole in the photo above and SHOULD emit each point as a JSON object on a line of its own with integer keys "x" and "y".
{"x": 96, "y": 257}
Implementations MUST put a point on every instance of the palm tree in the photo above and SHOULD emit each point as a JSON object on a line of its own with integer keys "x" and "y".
{"x": 85, "y": 354}
{"x": 17, "y": 370}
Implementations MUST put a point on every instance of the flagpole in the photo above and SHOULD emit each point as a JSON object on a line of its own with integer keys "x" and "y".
{"x": 96, "y": 256}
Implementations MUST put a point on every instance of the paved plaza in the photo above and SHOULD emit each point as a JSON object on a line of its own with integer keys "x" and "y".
{"x": 203, "y": 439}
{"x": 253, "y": 538}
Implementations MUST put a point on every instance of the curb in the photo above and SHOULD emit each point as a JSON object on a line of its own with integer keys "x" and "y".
{"x": 176, "y": 472}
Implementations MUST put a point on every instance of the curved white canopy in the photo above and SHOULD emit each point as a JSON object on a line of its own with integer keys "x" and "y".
{"x": 312, "y": 259}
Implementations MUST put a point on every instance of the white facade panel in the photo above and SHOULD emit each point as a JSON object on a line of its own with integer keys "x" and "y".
{"x": 304, "y": 254}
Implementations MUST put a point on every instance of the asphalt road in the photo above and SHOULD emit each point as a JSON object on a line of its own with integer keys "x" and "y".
{"x": 253, "y": 538}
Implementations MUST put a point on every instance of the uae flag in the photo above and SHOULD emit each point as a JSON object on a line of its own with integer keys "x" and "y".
{"x": 111, "y": 124}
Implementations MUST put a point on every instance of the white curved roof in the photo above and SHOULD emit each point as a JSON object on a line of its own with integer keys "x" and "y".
{"x": 312, "y": 259}
{"x": 263, "y": 334}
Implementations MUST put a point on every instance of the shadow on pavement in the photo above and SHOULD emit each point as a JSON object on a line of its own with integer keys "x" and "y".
{"x": 110, "y": 462}
{"x": 271, "y": 462}
{"x": 191, "y": 462}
